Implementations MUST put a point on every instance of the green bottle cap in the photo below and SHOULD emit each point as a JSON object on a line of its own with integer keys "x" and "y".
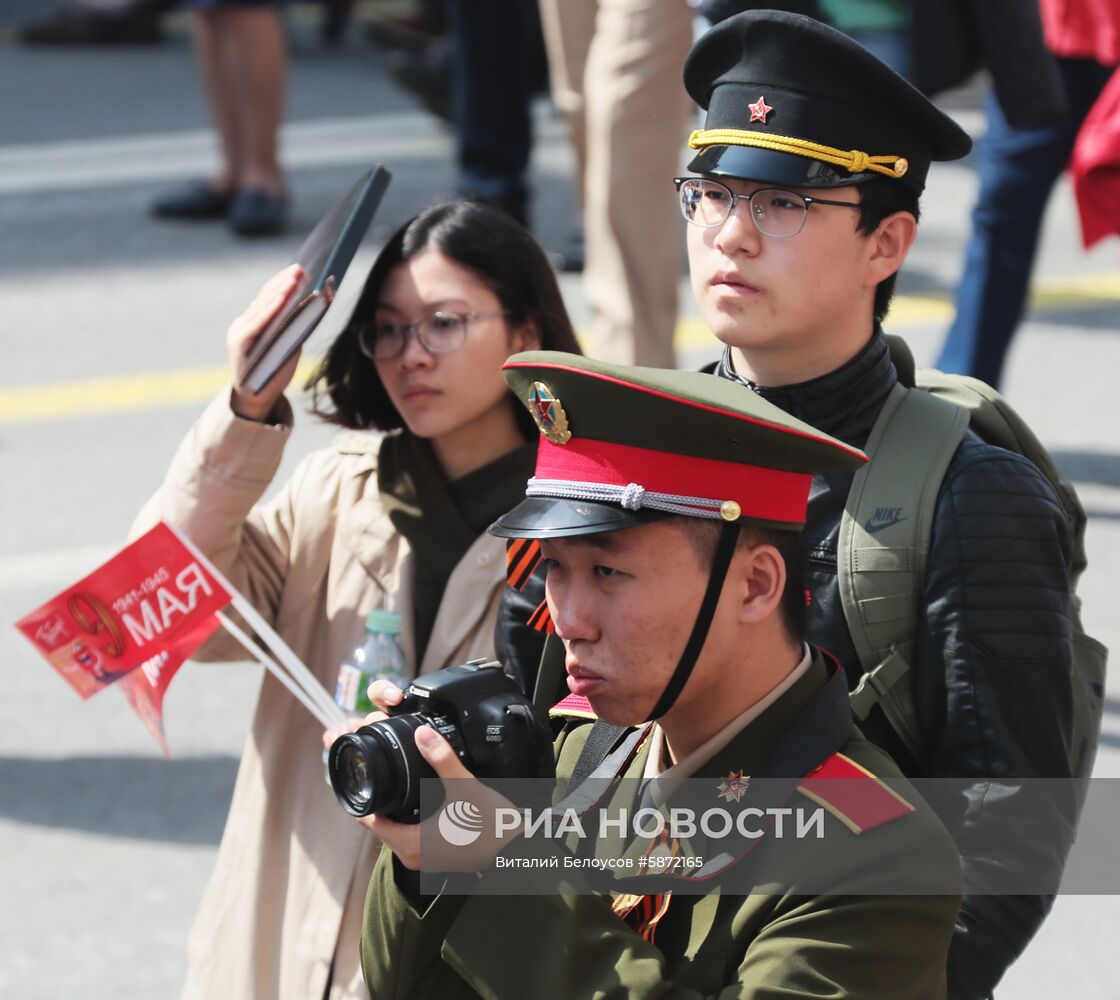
{"x": 380, "y": 620}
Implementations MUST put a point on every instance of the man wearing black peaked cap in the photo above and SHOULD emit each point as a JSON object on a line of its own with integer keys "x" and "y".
{"x": 666, "y": 505}
{"x": 802, "y": 203}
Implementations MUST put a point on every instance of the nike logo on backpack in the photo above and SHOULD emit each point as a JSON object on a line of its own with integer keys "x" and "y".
{"x": 884, "y": 517}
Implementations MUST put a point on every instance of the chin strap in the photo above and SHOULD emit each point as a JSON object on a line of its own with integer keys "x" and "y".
{"x": 725, "y": 549}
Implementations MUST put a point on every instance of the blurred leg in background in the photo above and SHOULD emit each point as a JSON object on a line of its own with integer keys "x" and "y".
{"x": 1018, "y": 168}
{"x": 242, "y": 58}
{"x": 477, "y": 65}
{"x": 497, "y": 61}
{"x": 616, "y": 68}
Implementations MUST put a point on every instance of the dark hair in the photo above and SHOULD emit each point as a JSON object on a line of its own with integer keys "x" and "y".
{"x": 878, "y": 199}
{"x": 704, "y": 534}
{"x": 499, "y": 251}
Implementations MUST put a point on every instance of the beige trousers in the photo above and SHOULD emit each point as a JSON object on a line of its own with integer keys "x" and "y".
{"x": 616, "y": 76}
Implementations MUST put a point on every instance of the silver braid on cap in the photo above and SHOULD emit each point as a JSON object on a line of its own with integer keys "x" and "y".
{"x": 629, "y": 497}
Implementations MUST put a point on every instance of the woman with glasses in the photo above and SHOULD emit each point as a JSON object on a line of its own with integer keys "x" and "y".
{"x": 392, "y": 518}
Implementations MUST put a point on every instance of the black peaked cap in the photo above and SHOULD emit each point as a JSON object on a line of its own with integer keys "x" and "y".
{"x": 816, "y": 85}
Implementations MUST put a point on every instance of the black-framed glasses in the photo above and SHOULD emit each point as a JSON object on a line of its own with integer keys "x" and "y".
{"x": 440, "y": 333}
{"x": 774, "y": 211}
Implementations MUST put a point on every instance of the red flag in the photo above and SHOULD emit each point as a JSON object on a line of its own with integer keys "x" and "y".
{"x": 137, "y": 618}
{"x": 1095, "y": 166}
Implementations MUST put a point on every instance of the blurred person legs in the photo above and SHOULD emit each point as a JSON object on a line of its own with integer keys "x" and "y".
{"x": 242, "y": 60}
{"x": 615, "y": 69}
{"x": 496, "y": 62}
{"x": 336, "y": 17}
{"x": 98, "y": 22}
{"x": 480, "y": 76}
{"x": 425, "y": 71}
{"x": 1018, "y": 168}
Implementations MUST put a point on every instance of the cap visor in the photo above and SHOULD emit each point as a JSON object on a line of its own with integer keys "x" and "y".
{"x": 550, "y": 517}
{"x": 753, "y": 164}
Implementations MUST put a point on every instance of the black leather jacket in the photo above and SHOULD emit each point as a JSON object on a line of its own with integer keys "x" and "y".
{"x": 992, "y": 660}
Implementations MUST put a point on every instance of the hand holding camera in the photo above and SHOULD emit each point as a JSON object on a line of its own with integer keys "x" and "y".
{"x": 464, "y": 719}
{"x": 493, "y": 729}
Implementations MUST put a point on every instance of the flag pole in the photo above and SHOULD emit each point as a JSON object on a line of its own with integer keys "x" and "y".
{"x": 299, "y": 672}
{"x": 270, "y": 665}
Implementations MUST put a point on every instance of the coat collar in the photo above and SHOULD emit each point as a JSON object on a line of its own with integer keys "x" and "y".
{"x": 811, "y": 721}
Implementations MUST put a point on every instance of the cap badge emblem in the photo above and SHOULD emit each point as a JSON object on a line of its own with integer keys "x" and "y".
{"x": 759, "y": 110}
{"x": 548, "y": 414}
{"x": 733, "y": 787}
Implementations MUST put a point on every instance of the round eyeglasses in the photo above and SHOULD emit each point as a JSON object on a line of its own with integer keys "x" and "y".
{"x": 440, "y": 333}
{"x": 774, "y": 211}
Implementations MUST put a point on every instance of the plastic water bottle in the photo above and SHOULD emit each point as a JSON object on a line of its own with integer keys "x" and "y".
{"x": 379, "y": 656}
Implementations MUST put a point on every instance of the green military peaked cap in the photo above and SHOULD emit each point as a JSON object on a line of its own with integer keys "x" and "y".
{"x": 622, "y": 445}
{"x": 790, "y": 100}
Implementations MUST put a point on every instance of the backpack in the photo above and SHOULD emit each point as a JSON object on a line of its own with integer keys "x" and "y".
{"x": 914, "y": 438}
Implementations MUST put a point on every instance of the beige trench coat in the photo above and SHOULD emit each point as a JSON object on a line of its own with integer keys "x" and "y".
{"x": 285, "y": 901}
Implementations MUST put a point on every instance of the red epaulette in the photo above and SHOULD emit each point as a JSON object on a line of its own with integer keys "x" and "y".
{"x": 862, "y": 802}
{"x": 575, "y": 706}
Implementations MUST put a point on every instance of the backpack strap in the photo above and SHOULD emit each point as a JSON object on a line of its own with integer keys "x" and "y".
{"x": 883, "y": 545}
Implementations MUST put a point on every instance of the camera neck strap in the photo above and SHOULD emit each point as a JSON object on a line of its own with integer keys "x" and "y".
{"x": 725, "y": 549}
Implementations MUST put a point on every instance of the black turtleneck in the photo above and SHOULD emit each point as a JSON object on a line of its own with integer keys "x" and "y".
{"x": 441, "y": 519}
{"x": 843, "y": 403}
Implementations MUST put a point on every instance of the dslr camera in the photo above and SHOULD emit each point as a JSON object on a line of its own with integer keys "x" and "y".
{"x": 496, "y": 731}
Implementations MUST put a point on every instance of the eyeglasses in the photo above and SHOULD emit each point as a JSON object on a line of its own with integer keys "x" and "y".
{"x": 774, "y": 211}
{"x": 440, "y": 333}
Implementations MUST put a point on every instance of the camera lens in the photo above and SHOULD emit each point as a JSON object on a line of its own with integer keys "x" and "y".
{"x": 354, "y": 774}
{"x": 377, "y": 769}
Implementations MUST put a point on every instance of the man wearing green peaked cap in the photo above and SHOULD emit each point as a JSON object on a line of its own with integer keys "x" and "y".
{"x": 667, "y": 506}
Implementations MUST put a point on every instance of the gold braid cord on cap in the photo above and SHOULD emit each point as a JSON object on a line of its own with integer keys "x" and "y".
{"x": 853, "y": 160}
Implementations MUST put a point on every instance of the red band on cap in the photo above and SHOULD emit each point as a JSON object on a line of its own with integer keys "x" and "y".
{"x": 764, "y": 494}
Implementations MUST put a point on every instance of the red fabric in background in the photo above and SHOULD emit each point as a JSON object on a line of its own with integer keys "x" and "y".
{"x": 1083, "y": 29}
{"x": 1095, "y": 166}
{"x": 1090, "y": 29}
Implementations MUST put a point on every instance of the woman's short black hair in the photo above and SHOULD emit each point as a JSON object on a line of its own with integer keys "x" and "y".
{"x": 878, "y": 199}
{"x": 490, "y": 244}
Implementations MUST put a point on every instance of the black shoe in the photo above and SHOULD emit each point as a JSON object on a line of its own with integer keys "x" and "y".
{"x": 255, "y": 212}
{"x": 198, "y": 200}
{"x": 84, "y": 26}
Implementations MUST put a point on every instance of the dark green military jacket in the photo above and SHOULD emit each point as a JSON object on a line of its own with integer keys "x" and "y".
{"x": 865, "y": 912}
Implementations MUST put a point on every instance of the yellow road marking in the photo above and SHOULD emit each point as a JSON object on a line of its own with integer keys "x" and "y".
{"x": 191, "y": 386}
{"x": 116, "y": 394}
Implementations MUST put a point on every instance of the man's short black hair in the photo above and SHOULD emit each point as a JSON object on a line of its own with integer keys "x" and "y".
{"x": 704, "y": 534}
{"x": 878, "y": 199}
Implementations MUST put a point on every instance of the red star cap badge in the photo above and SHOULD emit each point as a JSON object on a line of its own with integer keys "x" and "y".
{"x": 759, "y": 110}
